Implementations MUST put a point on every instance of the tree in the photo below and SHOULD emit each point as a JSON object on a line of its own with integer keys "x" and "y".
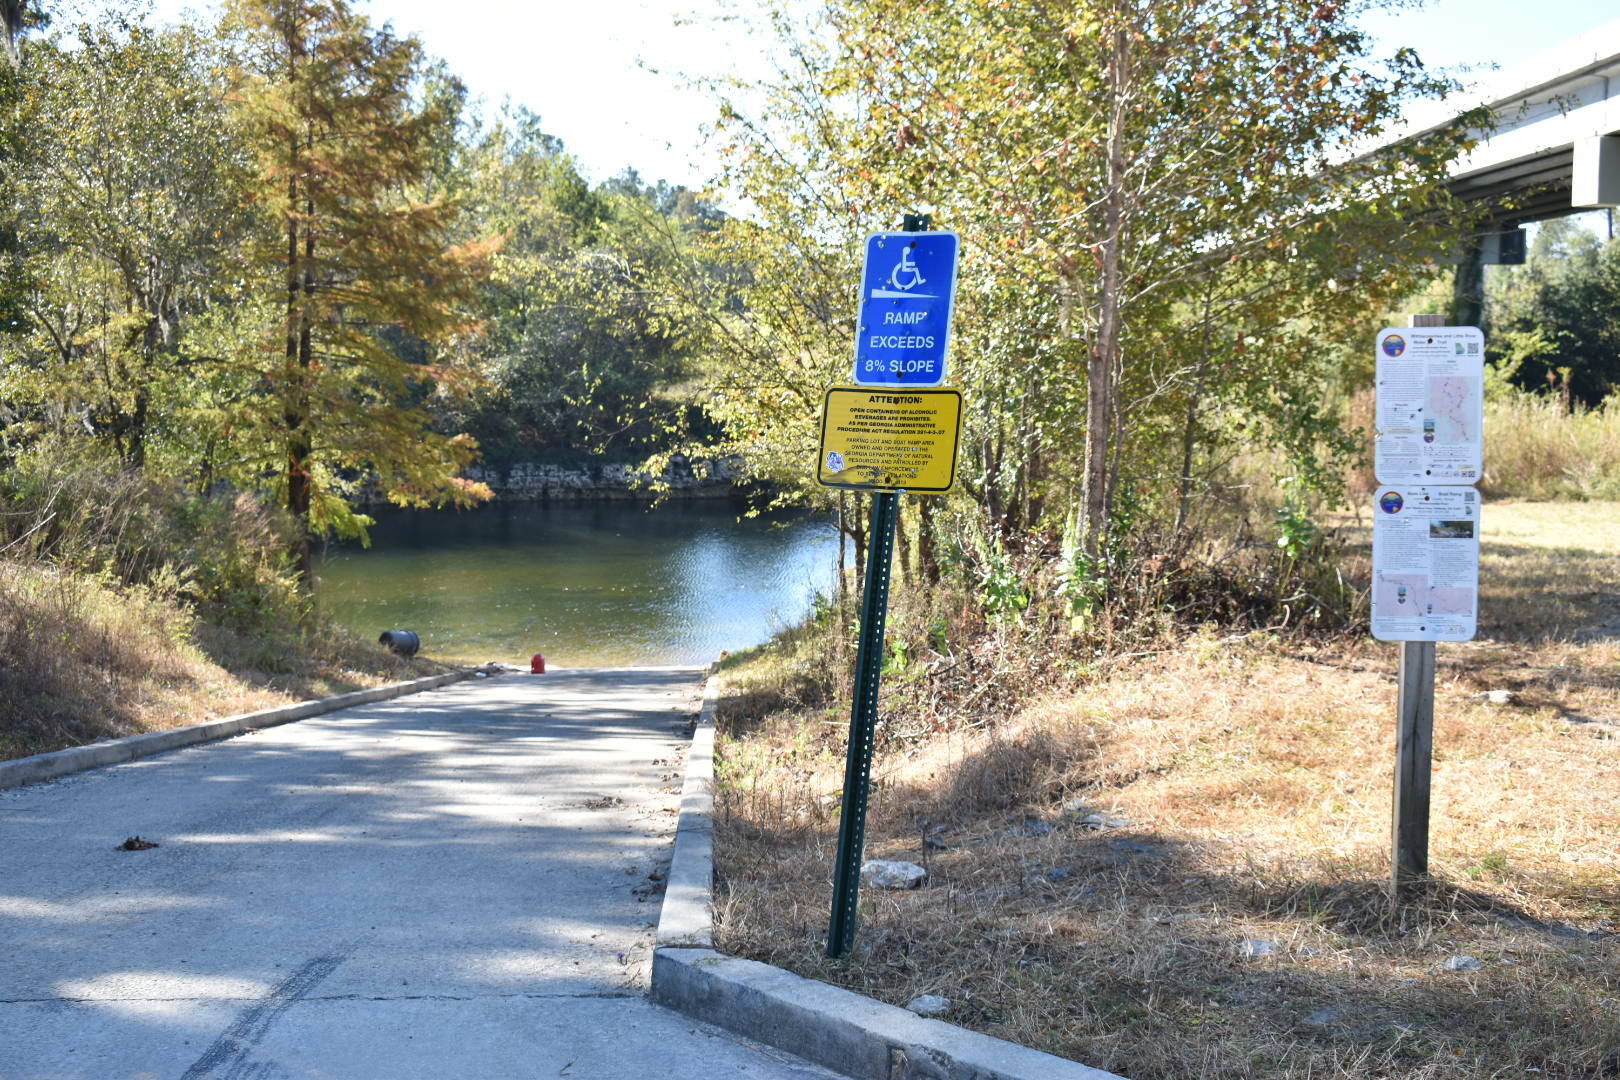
{"x": 128, "y": 214}
{"x": 1552, "y": 322}
{"x": 17, "y": 16}
{"x": 1162, "y": 210}
{"x": 356, "y": 258}
{"x": 580, "y": 343}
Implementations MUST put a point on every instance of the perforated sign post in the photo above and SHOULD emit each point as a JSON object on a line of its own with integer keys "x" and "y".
{"x": 1428, "y": 455}
{"x": 881, "y": 438}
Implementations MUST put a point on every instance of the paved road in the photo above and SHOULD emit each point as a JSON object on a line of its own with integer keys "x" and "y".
{"x": 454, "y": 885}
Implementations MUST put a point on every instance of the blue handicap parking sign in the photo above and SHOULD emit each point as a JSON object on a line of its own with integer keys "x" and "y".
{"x": 907, "y": 289}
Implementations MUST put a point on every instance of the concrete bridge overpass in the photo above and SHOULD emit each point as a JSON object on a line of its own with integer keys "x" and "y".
{"x": 1555, "y": 146}
{"x": 1554, "y": 149}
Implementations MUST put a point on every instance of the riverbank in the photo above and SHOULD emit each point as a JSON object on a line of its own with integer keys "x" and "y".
{"x": 87, "y": 659}
{"x": 1171, "y": 863}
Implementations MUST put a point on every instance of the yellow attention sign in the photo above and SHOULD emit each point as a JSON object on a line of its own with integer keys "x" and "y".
{"x": 890, "y": 438}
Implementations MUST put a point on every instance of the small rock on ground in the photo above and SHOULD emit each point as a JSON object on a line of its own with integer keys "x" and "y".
{"x": 1462, "y": 963}
{"x": 1103, "y": 821}
{"x": 930, "y": 1005}
{"x": 890, "y": 874}
{"x": 1254, "y": 948}
{"x": 1033, "y": 827}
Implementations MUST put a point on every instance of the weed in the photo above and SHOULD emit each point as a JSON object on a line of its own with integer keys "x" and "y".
{"x": 128, "y": 605}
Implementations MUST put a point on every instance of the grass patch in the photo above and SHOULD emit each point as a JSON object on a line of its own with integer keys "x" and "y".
{"x": 83, "y": 657}
{"x": 129, "y": 604}
{"x": 1243, "y": 782}
{"x": 1539, "y": 448}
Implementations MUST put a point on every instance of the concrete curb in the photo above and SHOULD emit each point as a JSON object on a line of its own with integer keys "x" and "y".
{"x": 32, "y": 770}
{"x": 685, "y": 918}
{"x": 835, "y": 1028}
{"x": 839, "y": 1029}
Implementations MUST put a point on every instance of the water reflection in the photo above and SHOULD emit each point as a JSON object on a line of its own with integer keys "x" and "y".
{"x": 587, "y": 585}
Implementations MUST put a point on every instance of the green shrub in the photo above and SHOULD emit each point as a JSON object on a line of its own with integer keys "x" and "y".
{"x": 227, "y": 554}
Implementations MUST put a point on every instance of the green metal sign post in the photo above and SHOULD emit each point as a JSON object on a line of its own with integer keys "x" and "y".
{"x": 862, "y": 725}
{"x": 864, "y": 711}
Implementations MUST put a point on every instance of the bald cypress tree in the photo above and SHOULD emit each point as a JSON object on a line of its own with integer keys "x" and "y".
{"x": 363, "y": 299}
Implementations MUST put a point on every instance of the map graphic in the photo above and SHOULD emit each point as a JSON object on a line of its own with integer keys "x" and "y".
{"x": 1454, "y": 404}
{"x": 1450, "y": 602}
{"x": 1401, "y": 594}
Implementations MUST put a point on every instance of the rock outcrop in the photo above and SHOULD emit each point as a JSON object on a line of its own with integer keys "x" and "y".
{"x": 537, "y": 481}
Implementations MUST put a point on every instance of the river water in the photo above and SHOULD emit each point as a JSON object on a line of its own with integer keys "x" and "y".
{"x": 587, "y": 585}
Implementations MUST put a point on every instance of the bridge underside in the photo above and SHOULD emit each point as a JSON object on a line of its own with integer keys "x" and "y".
{"x": 1552, "y": 148}
{"x": 1523, "y": 191}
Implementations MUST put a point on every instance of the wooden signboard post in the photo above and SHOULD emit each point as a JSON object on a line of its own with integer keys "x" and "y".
{"x": 1426, "y": 524}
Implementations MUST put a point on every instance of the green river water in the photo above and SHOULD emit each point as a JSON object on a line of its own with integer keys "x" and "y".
{"x": 587, "y": 585}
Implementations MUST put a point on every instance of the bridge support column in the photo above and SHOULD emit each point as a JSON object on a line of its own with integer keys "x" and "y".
{"x": 1595, "y": 180}
{"x": 1468, "y": 287}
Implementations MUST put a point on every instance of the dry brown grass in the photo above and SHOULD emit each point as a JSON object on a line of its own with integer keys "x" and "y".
{"x": 1540, "y": 448}
{"x": 82, "y": 659}
{"x": 1253, "y": 777}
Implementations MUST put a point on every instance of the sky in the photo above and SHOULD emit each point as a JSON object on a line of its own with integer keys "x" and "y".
{"x": 603, "y": 74}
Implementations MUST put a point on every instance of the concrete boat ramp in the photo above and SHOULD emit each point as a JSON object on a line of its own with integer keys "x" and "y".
{"x": 460, "y": 884}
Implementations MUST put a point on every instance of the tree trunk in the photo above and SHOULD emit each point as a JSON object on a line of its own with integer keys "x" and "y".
{"x": 843, "y": 542}
{"x": 927, "y": 557}
{"x": 1468, "y": 286}
{"x": 143, "y": 395}
{"x": 901, "y": 542}
{"x": 11, "y": 20}
{"x": 1101, "y": 364}
{"x": 858, "y": 535}
{"x": 1189, "y": 432}
{"x": 296, "y": 391}
{"x": 138, "y": 414}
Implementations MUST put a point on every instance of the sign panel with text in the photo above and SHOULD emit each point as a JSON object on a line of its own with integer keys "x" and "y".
{"x": 1425, "y": 563}
{"x": 1431, "y": 405}
{"x": 908, "y": 286}
{"x": 889, "y": 440}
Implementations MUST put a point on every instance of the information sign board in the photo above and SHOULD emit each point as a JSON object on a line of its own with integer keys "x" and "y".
{"x": 889, "y": 440}
{"x": 1425, "y": 563}
{"x": 907, "y": 288}
{"x": 1431, "y": 405}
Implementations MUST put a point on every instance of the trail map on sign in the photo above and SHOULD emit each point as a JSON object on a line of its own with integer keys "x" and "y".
{"x": 1425, "y": 563}
{"x": 1431, "y": 405}
{"x": 1456, "y": 404}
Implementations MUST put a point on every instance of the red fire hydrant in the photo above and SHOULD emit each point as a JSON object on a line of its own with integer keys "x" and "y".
{"x": 537, "y": 664}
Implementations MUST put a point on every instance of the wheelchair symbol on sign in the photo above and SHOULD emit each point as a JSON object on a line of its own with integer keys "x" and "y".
{"x": 905, "y": 275}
